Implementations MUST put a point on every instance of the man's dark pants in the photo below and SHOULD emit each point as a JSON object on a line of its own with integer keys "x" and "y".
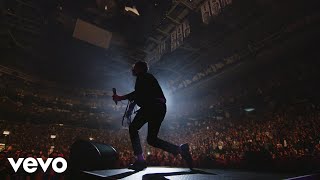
{"x": 152, "y": 114}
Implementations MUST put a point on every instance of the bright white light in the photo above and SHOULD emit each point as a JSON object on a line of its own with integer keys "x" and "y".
{"x": 6, "y": 132}
{"x": 106, "y": 8}
{"x": 148, "y": 153}
{"x": 134, "y": 10}
{"x": 60, "y": 124}
{"x": 249, "y": 109}
{"x": 90, "y": 138}
{"x": 53, "y": 136}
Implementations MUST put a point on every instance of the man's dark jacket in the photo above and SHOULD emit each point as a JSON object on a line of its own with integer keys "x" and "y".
{"x": 147, "y": 91}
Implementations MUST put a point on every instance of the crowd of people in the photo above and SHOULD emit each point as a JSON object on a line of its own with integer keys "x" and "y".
{"x": 276, "y": 86}
{"x": 278, "y": 138}
{"x": 282, "y": 131}
{"x": 26, "y": 101}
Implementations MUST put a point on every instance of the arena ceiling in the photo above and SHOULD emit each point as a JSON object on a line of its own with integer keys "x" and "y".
{"x": 36, "y": 37}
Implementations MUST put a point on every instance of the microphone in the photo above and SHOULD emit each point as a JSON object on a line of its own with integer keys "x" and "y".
{"x": 115, "y": 93}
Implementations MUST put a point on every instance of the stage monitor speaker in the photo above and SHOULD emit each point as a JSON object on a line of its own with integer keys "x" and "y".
{"x": 87, "y": 155}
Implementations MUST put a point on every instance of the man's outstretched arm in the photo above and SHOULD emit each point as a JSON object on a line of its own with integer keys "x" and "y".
{"x": 129, "y": 96}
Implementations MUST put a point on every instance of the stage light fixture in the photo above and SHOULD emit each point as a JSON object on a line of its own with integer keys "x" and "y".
{"x": 111, "y": 7}
{"x": 132, "y": 9}
{"x": 249, "y": 109}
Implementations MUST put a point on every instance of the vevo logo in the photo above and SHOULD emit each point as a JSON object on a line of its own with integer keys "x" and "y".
{"x": 30, "y": 164}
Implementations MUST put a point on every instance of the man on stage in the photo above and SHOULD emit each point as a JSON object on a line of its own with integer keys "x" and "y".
{"x": 149, "y": 96}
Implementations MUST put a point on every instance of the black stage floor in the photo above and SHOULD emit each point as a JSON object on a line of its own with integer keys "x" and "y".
{"x": 155, "y": 173}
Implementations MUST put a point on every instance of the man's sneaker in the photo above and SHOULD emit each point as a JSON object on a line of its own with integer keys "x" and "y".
{"x": 185, "y": 154}
{"x": 138, "y": 165}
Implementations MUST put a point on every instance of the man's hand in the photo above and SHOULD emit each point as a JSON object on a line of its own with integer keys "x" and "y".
{"x": 117, "y": 98}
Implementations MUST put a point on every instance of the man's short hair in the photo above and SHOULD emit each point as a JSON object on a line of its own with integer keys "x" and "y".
{"x": 143, "y": 65}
